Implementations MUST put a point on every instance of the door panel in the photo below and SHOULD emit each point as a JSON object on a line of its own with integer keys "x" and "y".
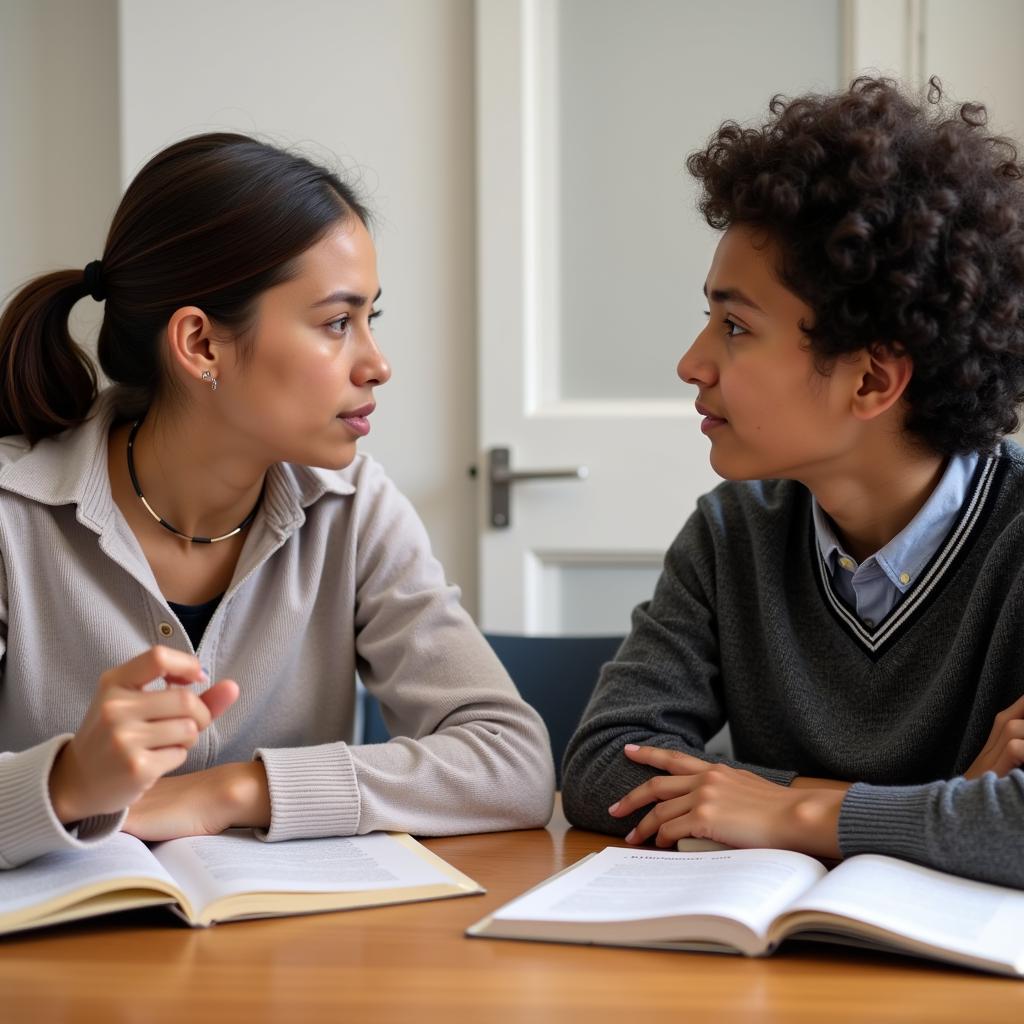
{"x": 591, "y": 260}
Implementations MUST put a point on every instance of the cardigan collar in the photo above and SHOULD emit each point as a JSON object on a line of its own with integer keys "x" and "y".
{"x": 71, "y": 469}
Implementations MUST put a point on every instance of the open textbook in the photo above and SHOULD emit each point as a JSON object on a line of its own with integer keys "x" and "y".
{"x": 205, "y": 879}
{"x": 748, "y": 901}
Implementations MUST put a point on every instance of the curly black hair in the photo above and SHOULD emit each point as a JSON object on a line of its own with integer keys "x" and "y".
{"x": 900, "y": 224}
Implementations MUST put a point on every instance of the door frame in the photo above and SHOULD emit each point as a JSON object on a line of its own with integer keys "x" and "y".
{"x": 518, "y": 260}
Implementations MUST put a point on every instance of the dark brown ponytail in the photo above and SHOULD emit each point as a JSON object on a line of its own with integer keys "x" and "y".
{"x": 47, "y": 382}
{"x": 212, "y": 221}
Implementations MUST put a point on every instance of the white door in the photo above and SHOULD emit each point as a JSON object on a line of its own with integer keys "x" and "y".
{"x": 591, "y": 263}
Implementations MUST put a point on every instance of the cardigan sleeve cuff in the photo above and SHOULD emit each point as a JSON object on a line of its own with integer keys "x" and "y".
{"x": 886, "y": 819}
{"x": 313, "y": 792}
{"x": 28, "y": 825}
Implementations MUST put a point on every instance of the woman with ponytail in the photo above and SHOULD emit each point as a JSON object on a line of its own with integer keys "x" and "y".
{"x": 207, "y": 517}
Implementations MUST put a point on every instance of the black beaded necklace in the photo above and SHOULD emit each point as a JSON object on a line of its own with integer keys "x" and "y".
{"x": 160, "y": 519}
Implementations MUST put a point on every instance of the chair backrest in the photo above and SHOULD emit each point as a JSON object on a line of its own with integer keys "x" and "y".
{"x": 555, "y": 674}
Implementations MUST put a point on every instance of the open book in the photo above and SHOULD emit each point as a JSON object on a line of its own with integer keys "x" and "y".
{"x": 748, "y": 901}
{"x": 226, "y": 877}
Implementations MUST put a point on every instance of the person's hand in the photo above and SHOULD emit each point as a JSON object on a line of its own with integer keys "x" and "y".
{"x": 728, "y": 805}
{"x": 1004, "y": 749}
{"x": 202, "y": 803}
{"x": 130, "y": 737}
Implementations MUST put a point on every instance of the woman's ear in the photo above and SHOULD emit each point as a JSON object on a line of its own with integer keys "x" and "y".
{"x": 190, "y": 343}
{"x": 885, "y": 372}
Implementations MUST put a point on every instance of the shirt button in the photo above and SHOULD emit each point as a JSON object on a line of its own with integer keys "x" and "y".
{"x": 846, "y": 563}
{"x": 904, "y": 577}
{"x": 166, "y": 629}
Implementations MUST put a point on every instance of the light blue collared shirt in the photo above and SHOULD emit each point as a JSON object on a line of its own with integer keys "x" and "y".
{"x": 873, "y": 587}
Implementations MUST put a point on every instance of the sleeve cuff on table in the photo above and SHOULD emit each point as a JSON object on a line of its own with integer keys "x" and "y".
{"x": 28, "y": 825}
{"x": 313, "y": 792}
{"x": 885, "y": 819}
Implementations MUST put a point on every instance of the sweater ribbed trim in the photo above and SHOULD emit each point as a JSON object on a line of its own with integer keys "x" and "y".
{"x": 950, "y": 553}
{"x": 886, "y": 819}
{"x": 313, "y": 792}
{"x": 31, "y": 827}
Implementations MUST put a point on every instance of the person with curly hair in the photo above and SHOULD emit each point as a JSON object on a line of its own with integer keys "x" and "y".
{"x": 851, "y": 599}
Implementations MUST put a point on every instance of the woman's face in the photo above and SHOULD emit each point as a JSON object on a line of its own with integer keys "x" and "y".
{"x": 306, "y": 389}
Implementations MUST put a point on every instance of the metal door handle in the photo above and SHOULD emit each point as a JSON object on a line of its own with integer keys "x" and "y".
{"x": 500, "y": 476}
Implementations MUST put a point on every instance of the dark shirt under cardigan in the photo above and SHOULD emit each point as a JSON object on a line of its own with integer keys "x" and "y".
{"x": 745, "y": 626}
{"x": 195, "y": 617}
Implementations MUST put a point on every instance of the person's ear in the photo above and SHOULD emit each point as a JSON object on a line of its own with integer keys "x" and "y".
{"x": 191, "y": 345}
{"x": 884, "y": 371}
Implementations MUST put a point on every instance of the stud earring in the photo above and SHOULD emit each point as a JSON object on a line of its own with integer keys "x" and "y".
{"x": 209, "y": 378}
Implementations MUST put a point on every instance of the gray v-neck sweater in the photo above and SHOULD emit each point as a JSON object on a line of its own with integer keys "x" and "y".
{"x": 746, "y": 627}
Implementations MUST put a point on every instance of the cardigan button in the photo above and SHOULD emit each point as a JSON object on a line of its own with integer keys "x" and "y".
{"x": 166, "y": 629}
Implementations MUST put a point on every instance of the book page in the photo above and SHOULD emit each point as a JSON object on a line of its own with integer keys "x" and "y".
{"x": 211, "y": 867}
{"x": 750, "y": 886}
{"x": 59, "y": 874}
{"x": 968, "y": 917}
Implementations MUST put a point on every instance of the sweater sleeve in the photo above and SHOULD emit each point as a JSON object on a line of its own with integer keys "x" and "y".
{"x": 968, "y": 827}
{"x": 662, "y": 690}
{"x": 467, "y": 753}
{"x": 28, "y": 825}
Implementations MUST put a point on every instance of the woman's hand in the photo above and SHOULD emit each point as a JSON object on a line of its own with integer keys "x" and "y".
{"x": 202, "y": 803}
{"x": 130, "y": 737}
{"x": 728, "y": 805}
{"x": 1004, "y": 750}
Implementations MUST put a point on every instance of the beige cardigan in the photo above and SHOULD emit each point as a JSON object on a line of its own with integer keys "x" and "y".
{"x": 336, "y": 575}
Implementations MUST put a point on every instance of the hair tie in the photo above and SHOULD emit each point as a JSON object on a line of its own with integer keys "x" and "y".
{"x": 93, "y": 280}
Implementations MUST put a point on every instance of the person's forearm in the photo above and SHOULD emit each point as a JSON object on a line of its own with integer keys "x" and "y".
{"x": 596, "y": 773}
{"x": 61, "y": 786}
{"x": 968, "y": 827}
{"x": 246, "y": 794}
{"x": 488, "y": 769}
{"x": 29, "y": 827}
{"x": 470, "y": 777}
{"x": 815, "y": 823}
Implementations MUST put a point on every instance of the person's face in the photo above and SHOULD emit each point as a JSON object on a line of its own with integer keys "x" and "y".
{"x": 767, "y": 411}
{"x": 306, "y": 391}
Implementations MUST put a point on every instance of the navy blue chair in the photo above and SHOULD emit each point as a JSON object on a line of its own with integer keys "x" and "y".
{"x": 555, "y": 674}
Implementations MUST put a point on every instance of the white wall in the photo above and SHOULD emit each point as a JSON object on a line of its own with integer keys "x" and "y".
{"x": 59, "y": 180}
{"x": 387, "y": 85}
{"x": 975, "y": 48}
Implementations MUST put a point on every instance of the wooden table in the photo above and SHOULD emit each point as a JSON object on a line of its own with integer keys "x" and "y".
{"x": 412, "y": 963}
